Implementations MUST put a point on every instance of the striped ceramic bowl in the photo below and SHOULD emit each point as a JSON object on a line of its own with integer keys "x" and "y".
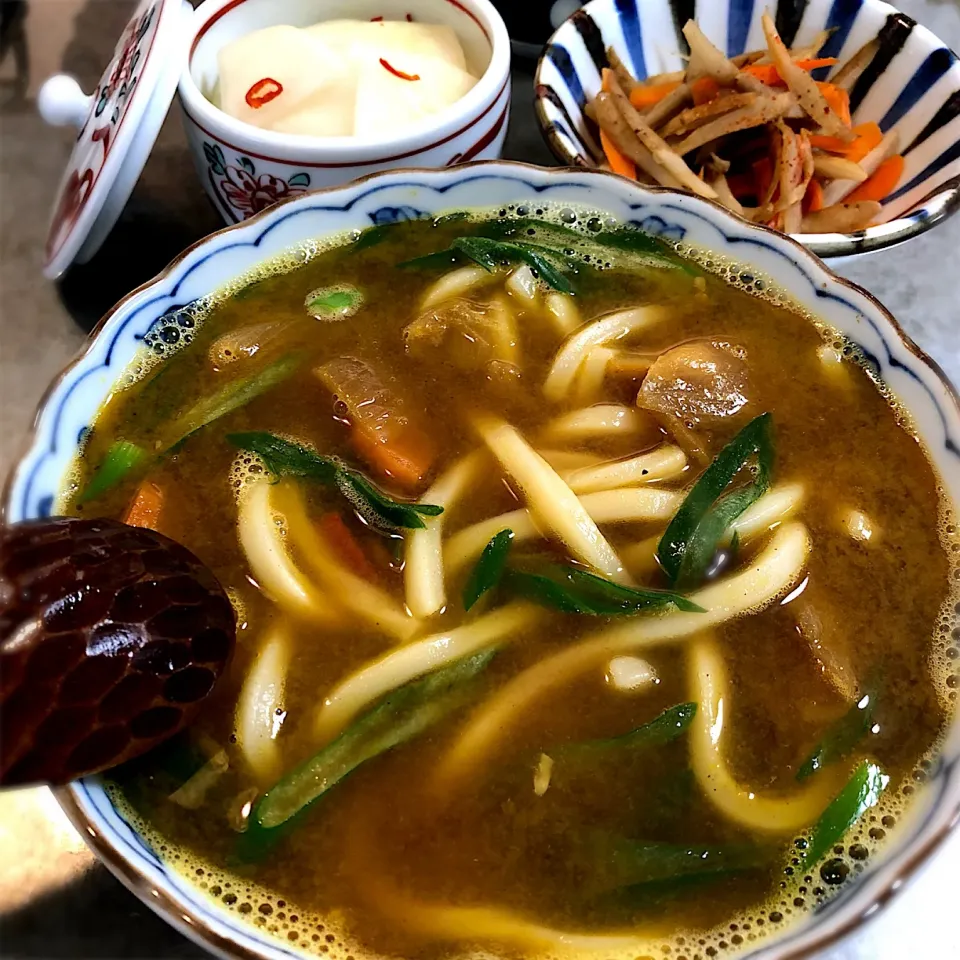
{"x": 912, "y": 85}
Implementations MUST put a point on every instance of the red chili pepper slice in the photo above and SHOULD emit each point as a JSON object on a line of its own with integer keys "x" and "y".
{"x": 376, "y": 19}
{"x": 263, "y": 91}
{"x": 398, "y": 73}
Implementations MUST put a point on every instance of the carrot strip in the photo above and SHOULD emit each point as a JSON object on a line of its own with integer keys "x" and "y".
{"x": 767, "y": 73}
{"x": 618, "y": 162}
{"x": 146, "y": 506}
{"x": 868, "y": 136}
{"x": 741, "y": 185}
{"x": 704, "y": 90}
{"x": 821, "y": 141}
{"x": 763, "y": 176}
{"x": 336, "y": 532}
{"x": 644, "y": 97}
{"x": 839, "y": 100}
{"x": 882, "y": 183}
{"x": 813, "y": 198}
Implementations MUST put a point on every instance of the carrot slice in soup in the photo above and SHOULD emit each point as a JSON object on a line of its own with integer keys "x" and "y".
{"x": 146, "y": 507}
{"x": 404, "y": 456}
{"x": 381, "y": 433}
{"x": 881, "y": 184}
{"x": 340, "y": 537}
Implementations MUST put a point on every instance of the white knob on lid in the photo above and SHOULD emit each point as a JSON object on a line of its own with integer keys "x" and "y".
{"x": 62, "y": 103}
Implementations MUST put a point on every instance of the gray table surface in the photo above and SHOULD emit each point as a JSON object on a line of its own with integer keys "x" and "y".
{"x": 55, "y": 899}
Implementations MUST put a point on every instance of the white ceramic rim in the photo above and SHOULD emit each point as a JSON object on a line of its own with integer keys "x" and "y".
{"x": 300, "y": 147}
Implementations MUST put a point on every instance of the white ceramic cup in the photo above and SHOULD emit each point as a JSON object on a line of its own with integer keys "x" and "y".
{"x": 244, "y": 168}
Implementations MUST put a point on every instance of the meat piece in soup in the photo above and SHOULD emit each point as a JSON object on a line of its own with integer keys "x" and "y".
{"x": 583, "y": 648}
{"x": 469, "y": 334}
{"x": 699, "y": 382}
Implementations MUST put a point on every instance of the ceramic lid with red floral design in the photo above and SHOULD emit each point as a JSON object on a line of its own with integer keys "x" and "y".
{"x": 118, "y": 126}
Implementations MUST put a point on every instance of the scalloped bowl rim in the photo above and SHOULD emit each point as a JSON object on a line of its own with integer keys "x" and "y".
{"x": 902, "y": 362}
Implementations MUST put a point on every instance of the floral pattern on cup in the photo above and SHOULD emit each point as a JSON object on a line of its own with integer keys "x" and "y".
{"x": 241, "y": 191}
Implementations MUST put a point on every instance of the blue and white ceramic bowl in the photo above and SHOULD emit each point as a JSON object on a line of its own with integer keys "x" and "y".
{"x": 912, "y": 85}
{"x": 74, "y": 399}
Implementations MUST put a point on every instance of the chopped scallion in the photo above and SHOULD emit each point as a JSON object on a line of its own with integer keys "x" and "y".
{"x": 663, "y": 728}
{"x": 285, "y": 458}
{"x": 842, "y": 736}
{"x": 120, "y": 460}
{"x": 400, "y": 716}
{"x": 626, "y": 864}
{"x": 333, "y": 303}
{"x": 570, "y": 590}
{"x": 490, "y": 254}
{"x": 489, "y": 569}
{"x": 862, "y": 792}
{"x": 231, "y": 396}
{"x": 698, "y": 527}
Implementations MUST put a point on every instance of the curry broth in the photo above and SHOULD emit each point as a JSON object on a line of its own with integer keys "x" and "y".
{"x": 496, "y": 842}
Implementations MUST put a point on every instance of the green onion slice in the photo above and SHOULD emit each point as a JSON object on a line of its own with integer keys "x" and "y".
{"x": 862, "y": 792}
{"x": 121, "y": 459}
{"x": 489, "y": 569}
{"x": 690, "y": 541}
{"x": 571, "y": 590}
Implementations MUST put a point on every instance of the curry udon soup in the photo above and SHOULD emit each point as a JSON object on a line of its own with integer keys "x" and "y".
{"x": 590, "y": 595}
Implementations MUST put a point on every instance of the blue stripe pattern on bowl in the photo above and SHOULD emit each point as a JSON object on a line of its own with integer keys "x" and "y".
{"x": 912, "y": 86}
